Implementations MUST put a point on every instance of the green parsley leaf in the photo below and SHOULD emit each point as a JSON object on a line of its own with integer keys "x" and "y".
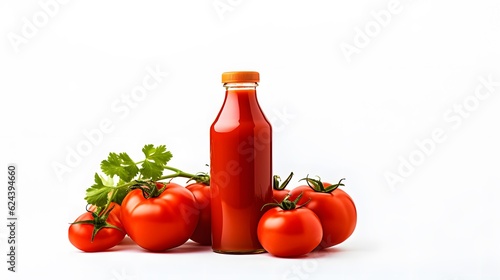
{"x": 106, "y": 190}
{"x": 121, "y": 165}
{"x": 159, "y": 155}
{"x": 107, "y": 181}
{"x": 97, "y": 194}
{"x": 156, "y": 159}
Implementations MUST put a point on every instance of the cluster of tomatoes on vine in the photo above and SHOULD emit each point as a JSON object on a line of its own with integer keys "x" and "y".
{"x": 159, "y": 216}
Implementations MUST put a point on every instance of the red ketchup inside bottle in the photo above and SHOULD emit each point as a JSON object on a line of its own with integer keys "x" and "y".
{"x": 240, "y": 166}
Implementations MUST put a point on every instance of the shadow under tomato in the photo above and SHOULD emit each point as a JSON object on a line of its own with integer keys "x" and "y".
{"x": 332, "y": 250}
{"x": 128, "y": 244}
{"x": 328, "y": 252}
{"x": 189, "y": 247}
{"x": 126, "y": 241}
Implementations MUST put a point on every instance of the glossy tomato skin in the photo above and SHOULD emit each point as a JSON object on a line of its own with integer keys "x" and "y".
{"x": 203, "y": 231}
{"x": 163, "y": 222}
{"x": 279, "y": 195}
{"x": 336, "y": 211}
{"x": 289, "y": 233}
{"x": 80, "y": 235}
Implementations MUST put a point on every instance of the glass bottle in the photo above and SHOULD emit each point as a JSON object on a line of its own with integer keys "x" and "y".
{"x": 240, "y": 166}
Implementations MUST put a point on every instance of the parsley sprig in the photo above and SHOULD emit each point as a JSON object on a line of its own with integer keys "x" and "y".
{"x": 132, "y": 173}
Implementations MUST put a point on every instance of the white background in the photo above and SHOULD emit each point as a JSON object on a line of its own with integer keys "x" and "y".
{"x": 358, "y": 116}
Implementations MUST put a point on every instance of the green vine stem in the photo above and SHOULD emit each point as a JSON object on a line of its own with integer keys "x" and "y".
{"x": 203, "y": 178}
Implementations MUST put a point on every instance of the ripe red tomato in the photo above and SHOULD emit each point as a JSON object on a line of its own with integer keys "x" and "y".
{"x": 162, "y": 221}
{"x": 80, "y": 234}
{"x": 279, "y": 195}
{"x": 334, "y": 207}
{"x": 289, "y": 233}
{"x": 203, "y": 231}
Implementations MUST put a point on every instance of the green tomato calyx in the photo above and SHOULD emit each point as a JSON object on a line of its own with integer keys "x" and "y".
{"x": 98, "y": 221}
{"x": 287, "y": 204}
{"x": 318, "y": 186}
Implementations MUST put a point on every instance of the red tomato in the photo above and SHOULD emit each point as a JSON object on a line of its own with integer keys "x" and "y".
{"x": 289, "y": 233}
{"x": 80, "y": 235}
{"x": 279, "y": 195}
{"x": 162, "y": 222}
{"x": 335, "y": 209}
{"x": 203, "y": 231}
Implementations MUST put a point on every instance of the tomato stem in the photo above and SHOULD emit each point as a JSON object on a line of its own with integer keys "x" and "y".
{"x": 148, "y": 188}
{"x": 318, "y": 186}
{"x": 98, "y": 221}
{"x": 287, "y": 204}
{"x": 200, "y": 177}
{"x": 205, "y": 179}
{"x": 276, "y": 182}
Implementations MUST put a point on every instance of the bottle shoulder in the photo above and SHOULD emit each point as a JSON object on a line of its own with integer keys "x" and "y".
{"x": 229, "y": 125}
{"x": 240, "y": 110}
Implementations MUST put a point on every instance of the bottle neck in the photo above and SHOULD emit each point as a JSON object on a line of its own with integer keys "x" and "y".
{"x": 240, "y": 86}
{"x": 241, "y": 102}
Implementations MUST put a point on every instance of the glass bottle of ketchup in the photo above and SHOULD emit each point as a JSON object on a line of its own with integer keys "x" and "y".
{"x": 240, "y": 166}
